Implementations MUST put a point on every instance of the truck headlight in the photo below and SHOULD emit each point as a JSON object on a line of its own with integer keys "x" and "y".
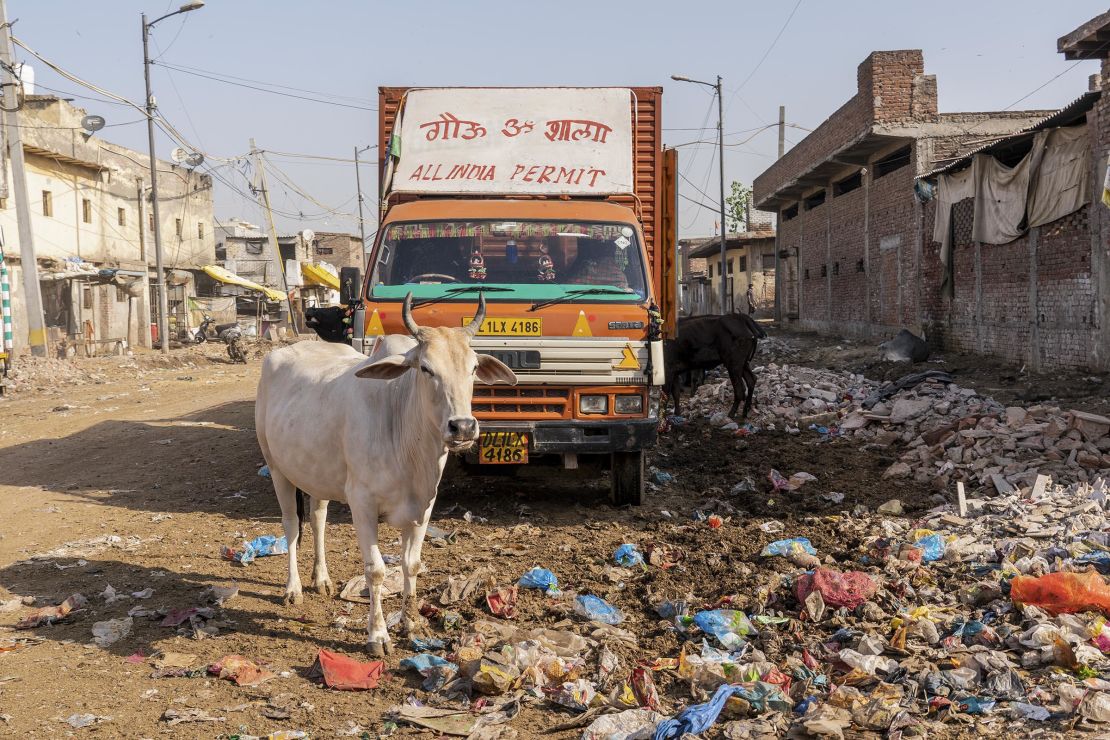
{"x": 629, "y": 404}
{"x": 593, "y": 404}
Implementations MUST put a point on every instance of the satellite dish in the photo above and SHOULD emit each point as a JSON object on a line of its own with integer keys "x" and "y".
{"x": 92, "y": 123}
{"x": 308, "y": 235}
{"x": 194, "y": 159}
{"x": 178, "y": 155}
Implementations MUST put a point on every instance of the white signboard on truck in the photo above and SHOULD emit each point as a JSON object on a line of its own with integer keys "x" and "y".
{"x": 551, "y": 141}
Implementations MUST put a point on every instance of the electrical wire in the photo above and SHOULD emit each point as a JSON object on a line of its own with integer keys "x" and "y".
{"x": 767, "y": 53}
{"x": 272, "y": 92}
{"x": 183, "y": 67}
{"x": 695, "y": 187}
{"x": 319, "y": 156}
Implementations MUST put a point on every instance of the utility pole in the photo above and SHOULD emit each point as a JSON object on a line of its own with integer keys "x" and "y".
{"x": 32, "y": 294}
{"x": 264, "y": 192}
{"x": 361, "y": 223}
{"x": 782, "y": 130}
{"x": 724, "y": 223}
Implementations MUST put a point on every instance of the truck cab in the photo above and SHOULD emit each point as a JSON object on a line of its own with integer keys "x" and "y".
{"x": 573, "y": 291}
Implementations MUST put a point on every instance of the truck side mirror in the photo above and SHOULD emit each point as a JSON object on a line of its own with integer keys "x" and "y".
{"x": 350, "y": 285}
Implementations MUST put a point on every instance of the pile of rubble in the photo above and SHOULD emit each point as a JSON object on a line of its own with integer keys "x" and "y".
{"x": 953, "y": 434}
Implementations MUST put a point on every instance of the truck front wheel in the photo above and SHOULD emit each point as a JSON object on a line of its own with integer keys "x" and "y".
{"x": 627, "y": 478}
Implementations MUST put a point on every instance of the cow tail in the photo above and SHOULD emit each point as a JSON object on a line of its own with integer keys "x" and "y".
{"x": 300, "y": 514}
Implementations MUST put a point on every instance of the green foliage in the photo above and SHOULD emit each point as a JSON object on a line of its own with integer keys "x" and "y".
{"x": 736, "y": 207}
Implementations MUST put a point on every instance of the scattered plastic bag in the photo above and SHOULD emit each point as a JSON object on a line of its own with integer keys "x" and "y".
{"x": 932, "y": 547}
{"x": 597, "y": 609}
{"x": 111, "y": 631}
{"x": 788, "y": 547}
{"x": 727, "y": 625}
{"x": 628, "y": 555}
{"x": 1062, "y": 593}
{"x": 341, "y": 672}
{"x": 259, "y": 547}
{"x": 837, "y": 589}
{"x": 542, "y": 579}
{"x": 575, "y": 695}
{"x": 242, "y": 671}
{"x": 502, "y": 602}
{"x": 48, "y": 615}
{"x": 631, "y": 724}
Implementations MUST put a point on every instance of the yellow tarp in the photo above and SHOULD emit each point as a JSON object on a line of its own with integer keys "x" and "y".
{"x": 227, "y": 276}
{"x": 318, "y": 275}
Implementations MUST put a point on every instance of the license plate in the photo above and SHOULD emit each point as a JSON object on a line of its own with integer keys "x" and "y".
{"x": 496, "y": 327}
{"x": 503, "y": 448}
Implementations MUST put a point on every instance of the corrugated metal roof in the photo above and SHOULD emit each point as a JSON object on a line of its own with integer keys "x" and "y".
{"x": 1065, "y": 115}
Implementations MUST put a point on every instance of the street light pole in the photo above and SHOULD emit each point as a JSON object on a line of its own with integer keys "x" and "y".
{"x": 358, "y": 185}
{"x": 160, "y": 281}
{"x": 721, "y": 156}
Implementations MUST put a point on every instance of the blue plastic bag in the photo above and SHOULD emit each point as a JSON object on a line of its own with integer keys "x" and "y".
{"x": 259, "y": 547}
{"x": 727, "y": 625}
{"x": 932, "y": 547}
{"x": 264, "y": 471}
{"x": 426, "y": 644}
{"x": 424, "y": 662}
{"x": 540, "y": 578}
{"x": 785, "y": 547}
{"x": 628, "y": 555}
{"x": 597, "y": 610}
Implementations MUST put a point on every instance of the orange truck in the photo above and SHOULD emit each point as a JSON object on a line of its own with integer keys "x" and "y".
{"x": 557, "y": 205}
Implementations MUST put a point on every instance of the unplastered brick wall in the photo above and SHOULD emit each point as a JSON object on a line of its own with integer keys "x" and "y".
{"x": 1067, "y": 307}
{"x": 848, "y": 281}
{"x": 890, "y": 226}
{"x": 789, "y": 242}
{"x": 813, "y": 253}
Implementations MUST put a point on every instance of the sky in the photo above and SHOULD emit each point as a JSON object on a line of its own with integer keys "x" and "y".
{"x": 803, "y": 54}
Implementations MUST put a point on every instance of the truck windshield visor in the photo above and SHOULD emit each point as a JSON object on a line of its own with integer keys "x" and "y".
{"x": 526, "y": 260}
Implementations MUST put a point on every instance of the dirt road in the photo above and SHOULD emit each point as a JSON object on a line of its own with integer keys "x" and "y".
{"x": 153, "y": 469}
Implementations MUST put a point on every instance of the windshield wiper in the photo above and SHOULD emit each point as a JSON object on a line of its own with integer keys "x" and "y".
{"x": 571, "y": 295}
{"x": 452, "y": 292}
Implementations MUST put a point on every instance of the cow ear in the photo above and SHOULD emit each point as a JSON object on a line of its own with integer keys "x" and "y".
{"x": 387, "y": 368}
{"x": 491, "y": 370}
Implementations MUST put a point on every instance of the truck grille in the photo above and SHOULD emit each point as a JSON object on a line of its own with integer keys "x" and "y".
{"x": 521, "y": 402}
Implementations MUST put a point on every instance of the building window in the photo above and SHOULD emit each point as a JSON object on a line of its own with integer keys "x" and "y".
{"x": 815, "y": 200}
{"x": 150, "y": 221}
{"x": 3, "y": 203}
{"x": 121, "y": 295}
{"x": 836, "y": 268}
{"x": 177, "y": 227}
{"x": 86, "y": 210}
{"x": 86, "y": 297}
{"x": 47, "y": 203}
{"x": 121, "y": 216}
{"x": 859, "y": 265}
{"x": 892, "y": 162}
{"x": 768, "y": 262}
{"x": 791, "y": 212}
{"x": 807, "y": 274}
{"x": 200, "y": 229}
{"x": 711, "y": 271}
{"x": 848, "y": 184}
{"x": 743, "y": 263}
{"x": 731, "y": 263}
{"x": 324, "y": 250}
{"x": 824, "y": 270}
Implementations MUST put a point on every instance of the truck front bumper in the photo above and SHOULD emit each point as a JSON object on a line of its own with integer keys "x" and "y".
{"x": 581, "y": 437}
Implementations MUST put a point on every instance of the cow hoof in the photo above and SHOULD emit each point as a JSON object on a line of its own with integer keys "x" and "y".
{"x": 379, "y": 648}
{"x": 293, "y": 597}
{"x": 325, "y": 587}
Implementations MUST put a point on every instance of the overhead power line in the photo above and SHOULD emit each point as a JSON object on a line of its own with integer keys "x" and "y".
{"x": 225, "y": 81}
{"x": 352, "y": 98}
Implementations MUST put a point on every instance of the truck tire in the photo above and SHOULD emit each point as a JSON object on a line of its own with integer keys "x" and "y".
{"x": 627, "y": 478}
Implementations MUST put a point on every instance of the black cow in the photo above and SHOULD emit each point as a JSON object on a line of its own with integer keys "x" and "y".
{"x": 328, "y": 322}
{"x": 704, "y": 342}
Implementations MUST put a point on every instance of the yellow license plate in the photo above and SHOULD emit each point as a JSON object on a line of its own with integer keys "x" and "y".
{"x": 503, "y": 448}
{"x": 495, "y": 327}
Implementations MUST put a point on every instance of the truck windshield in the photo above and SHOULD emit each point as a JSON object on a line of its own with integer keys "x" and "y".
{"x": 529, "y": 260}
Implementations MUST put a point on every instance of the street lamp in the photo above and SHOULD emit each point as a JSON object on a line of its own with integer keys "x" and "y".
{"x": 721, "y": 141}
{"x": 160, "y": 283}
{"x": 358, "y": 185}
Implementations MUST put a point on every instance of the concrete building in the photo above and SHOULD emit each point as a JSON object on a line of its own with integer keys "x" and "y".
{"x": 858, "y": 201}
{"x": 93, "y": 231}
{"x": 338, "y": 249}
{"x": 749, "y": 260}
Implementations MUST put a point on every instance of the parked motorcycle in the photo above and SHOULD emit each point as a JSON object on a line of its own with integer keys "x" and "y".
{"x": 230, "y": 334}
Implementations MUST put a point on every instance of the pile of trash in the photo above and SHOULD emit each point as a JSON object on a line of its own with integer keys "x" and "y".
{"x": 953, "y": 433}
{"x": 948, "y": 622}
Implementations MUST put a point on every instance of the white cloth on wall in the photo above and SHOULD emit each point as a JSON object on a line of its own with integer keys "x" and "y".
{"x": 1000, "y": 196}
{"x": 951, "y": 189}
{"x": 1061, "y": 183}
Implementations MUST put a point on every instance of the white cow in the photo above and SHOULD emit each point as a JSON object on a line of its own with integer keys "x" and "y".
{"x": 375, "y": 433}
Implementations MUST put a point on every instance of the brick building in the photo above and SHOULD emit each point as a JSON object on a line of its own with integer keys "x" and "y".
{"x": 749, "y": 260}
{"x": 855, "y": 240}
{"x": 339, "y": 249}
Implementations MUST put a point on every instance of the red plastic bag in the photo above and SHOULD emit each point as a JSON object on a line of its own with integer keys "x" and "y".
{"x": 837, "y": 589}
{"x": 344, "y": 673}
{"x": 1063, "y": 593}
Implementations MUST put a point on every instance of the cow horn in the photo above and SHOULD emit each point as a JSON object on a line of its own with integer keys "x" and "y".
{"x": 406, "y": 316}
{"x": 473, "y": 327}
